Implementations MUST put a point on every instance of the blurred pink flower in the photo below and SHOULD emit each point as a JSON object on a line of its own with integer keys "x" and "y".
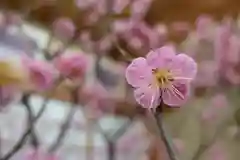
{"x": 221, "y": 44}
{"x": 233, "y": 55}
{"x": 41, "y": 73}
{"x": 232, "y": 75}
{"x": 64, "y": 28}
{"x": 7, "y": 95}
{"x": 208, "y": 70}
{"x": 218, "y": 152}
{"x": 227, "y": 53}
{"x": 139, "y": 8}
{"x": 97, "y": 99}
{"x": 121, "y": 26}
{"x": 203, "y": 23}
{"x": 135, "y": 140}
{"x": 39, "y": 155}
{"x": 72, "y": 65}
{"x": 161, "y": 29}
{"x": 181, "y": 26}
{"x": 105, "y": 43}
{"x": 120, "y": 5}
{"x": 13, "y": 18}
{"x": 162, "y": 75}
{"x": 141, "y": 37}
{"x": 219, "y": 101}
{"x": 84, "y": 4}
{"x": 209, "y": 114}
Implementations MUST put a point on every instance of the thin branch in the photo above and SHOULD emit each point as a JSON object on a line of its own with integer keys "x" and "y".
{"x": 64, "y": 129}
{"x": 66, "y": 45}
{"x": 28, "y": 131}
{"x": 159, "y": 121}
{"x": 111, "y": 141}
{"x": 122, "y": 130}
{"x": 164, "y": 138}
{"x": 66, "y": 125}
{"x": 34, "y": 138}
{"x": 23, "y": 138}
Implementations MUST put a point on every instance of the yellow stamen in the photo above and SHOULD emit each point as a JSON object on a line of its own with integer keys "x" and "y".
{"x": 163, "y": 77}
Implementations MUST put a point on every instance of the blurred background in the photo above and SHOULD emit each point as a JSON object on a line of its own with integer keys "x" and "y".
{"x": 106, "y": 123}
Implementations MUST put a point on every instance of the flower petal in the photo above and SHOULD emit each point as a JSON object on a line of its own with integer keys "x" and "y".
{"x": 184, "y": 67}
{"x": 176, "y": 95}
{"x": 138, "y": 73}
{"x": 161, "y": 57}
{"x": 147, "y": 97}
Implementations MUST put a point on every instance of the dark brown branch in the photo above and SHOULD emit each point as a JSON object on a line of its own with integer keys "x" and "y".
{"x": 34, "y": 138}
{"x": 159, "y": 122}
{"x": 64, "y": 128}
{"x": 23, "y": 138}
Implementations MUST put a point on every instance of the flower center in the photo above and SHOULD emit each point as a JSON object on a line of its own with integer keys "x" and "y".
{"x": 163, "y": 77}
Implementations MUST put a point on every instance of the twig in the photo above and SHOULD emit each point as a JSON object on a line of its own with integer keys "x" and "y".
{"x": 28, "y": 131}
{"x": 169, "y": 149}
{"x": 66, "y": 45}
{"x": 111, "y": 150}
{"x": 159, "y": 122}
{"x": 128, "y": 57}
{"x": 34, "y": 138}
{"x": 23, "y": 138}
{"x": 111, "y": 141}
{"x": 89, "y": 140}
{"x": 64, "y": 128}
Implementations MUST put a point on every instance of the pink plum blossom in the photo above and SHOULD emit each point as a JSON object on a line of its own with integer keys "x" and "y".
{"x": 72, "y": 65}
{"x": 64, "y": 28}
{"x": 41, "y": 73}
{"x": 162, "y": 76}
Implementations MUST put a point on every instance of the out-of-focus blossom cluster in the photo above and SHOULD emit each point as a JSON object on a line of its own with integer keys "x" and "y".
{"x": 102, "y": 27}
{"x": 215, "y": 46}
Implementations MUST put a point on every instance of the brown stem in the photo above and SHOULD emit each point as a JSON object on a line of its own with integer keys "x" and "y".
{"x": 164, "y": 138}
